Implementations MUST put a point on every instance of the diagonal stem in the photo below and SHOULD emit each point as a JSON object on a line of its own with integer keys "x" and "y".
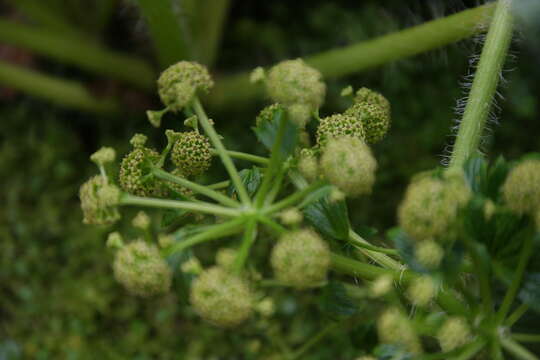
{"x": 250, "y": 235}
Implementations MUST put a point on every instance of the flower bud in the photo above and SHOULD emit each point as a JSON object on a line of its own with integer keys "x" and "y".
{"x": 141, "y": 269}
{"x": 266, "y": 307}
{"x": 141, "y": 221}
{"x": 365, "y": 95}
{"x": 429, "y": 254}
{"x": 374, "y": 119}
{"x": 103, "y": 156}
{"x": 179, "y": 83}
{"x": 431, "y": 205}
{"x": 165, "y": 240}
{"x": 221, "y": 297}
{"x": 225, "y": 258}
{"x": 301, "y": 259}
{"x": 454, "y": 333}
{"x": 308, "y": 164}
{"x": 347, "y": 163}
{"x": 337, "y": 126}
{"x": 191, "y": 153}
{"x": 98, "y": 201}
{"x": 291, "y": 216}
{"x": 294, "y": 82}
{"x": 381, "y": 286}
{"x": 135, "y": 172}
{"x": 115, "y": 241}
{"x": 421, "y": 290}
{"x": 192, "y": 266}
{"x": 394, "y": 327}
{"x": 299, "y": 114}
{"x": 267, "y": 114}
{"x": 257, "y": 75}
{"x": 521, "y": 190}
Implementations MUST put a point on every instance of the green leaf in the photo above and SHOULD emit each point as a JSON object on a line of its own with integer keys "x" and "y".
{"x": 267, "y": 131}
{"x": 329, "y": 218}
{"x": 496, "y": 177}
{"x": 336, "y": 303}
{"x": 530, "y": 291}
{"x": 475, "y": 170}
{"x": 392, "y": 352}
{"x": 316, "y": 195}
{"x": 251, "y": 178}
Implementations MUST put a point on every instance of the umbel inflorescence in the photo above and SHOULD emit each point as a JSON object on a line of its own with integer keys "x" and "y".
{"x": 283, "y": 222}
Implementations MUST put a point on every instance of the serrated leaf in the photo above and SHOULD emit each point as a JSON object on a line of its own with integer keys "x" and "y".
{"x": 329, "y": 218}
{"x": 530, "y": 291}
{"x": 335, "y": 301}
{"x": 316, "y": 195}
{"x": 251, "y": 178}
{"x": 475, "y": 170}
{"x": 267, "y": 132}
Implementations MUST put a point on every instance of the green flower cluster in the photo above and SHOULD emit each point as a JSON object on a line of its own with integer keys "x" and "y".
{"x": 191, "y": 153}
{"x": 98, "y": 201}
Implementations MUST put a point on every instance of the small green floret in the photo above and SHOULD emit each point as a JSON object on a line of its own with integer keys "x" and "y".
{"x": 374, "y": 119}
{"x": 99, "y": 201}
{"x": 521, "y": 190}
{"x": 191, "y": 153}
{"x": 338, "y": 125}
{"x": 454, "y": 333}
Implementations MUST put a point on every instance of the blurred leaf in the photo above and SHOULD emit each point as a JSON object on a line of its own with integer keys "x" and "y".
{"x": 335, "y": 301}
{"x": 475, "y": 170}
{"x": 251, "y": 178}
{"x": 392, "y": 352}
{"x": 329, "y": 218}
{"x": 267, "y": 132}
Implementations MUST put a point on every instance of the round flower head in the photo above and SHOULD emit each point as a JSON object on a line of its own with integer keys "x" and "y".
{"x": 431, "y": 205}
{"x": 135, "y": 169}
{"x": 299, "y": 114}
{"x": 365, "y": 95}
{"x": 179, "y": 83}
{"x": 336, "y": 126}
{"x": 294, "y": 82}
{"x": 141, "y": 221}
{"x": 103, "y": 156}
{"x": 301, "y": 259}
{"x": 374, "y": 119}
{"x": 394, "y": 327}
{"x": 422, "y": 290}
{"x": 347, "y": 163}
{"x": 429, "y": 254}
{"x": 225, "y": 258}
{"x": 521, "y": 190}
{"x": 267, "y": 114}
{"x": 221, "y": 298}
{"x": 381, "y": 286}
{"x": 308, "y": 164}
{"x": 191, "y": 153}
{"x": 141, "y": 269}
{"x": 454, "y": 333}
{"x": 98, "y": 201}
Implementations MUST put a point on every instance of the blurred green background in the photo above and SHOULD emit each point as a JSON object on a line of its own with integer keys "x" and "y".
{"x": 58, "y": 299}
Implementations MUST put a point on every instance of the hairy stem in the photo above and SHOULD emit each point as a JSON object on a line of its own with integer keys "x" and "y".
{"x": 237, "y": 90}
{"x": 175, "y": 204}
{"x": 65, "y": 93}
{"x": 87, "y": 55}
{"x": 201, "y": 189}
{"x": 484, "y": 85}
{"x": 213, "y": 233}
{"x": 225, "y": 158}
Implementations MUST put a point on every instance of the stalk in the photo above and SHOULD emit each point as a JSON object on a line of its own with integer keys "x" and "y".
{"x": 175, "y": 204}
{"x": 84, "y": 54}
{"x": 249, "y": 238}
{"x": 245, "y": 156}
{"x": 236, "y": 90}
{"x": 292, "y": 199}
{"x": 471, "y": 350}
{"x": 517, "y": 350}
{"x": 529, "y": 338}
{"x": 62, "y": 92}
{"x": 201, "y": 189}
{"x": 220, "y": 149}
{"x": 313, "y": 341}
{"x": 485, "y": 84}
{"x": 210, "y": 18}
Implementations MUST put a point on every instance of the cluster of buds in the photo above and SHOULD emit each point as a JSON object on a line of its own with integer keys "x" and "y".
{"x": 191, "y": 153}
{"x": 99, "y": 201}
{"x": 521, "y": 190}
{"x": 455, "y": 332}
{"x": 422, "y": 290}
{"x": 430, "y": 207}
{"x": 394, "y": 327}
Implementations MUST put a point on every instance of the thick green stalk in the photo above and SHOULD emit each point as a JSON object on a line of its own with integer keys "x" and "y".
{"x": 86, "y": 55}
{"x": 213, "y": 233}
{"x": 165, "y": 30}
{"x": 484, "y": 85}
{"x": 182, "y": 205}
{"x": 250, "y": 236}
{"x": 220, "y": 149}
{"x": 376, "y": 256}
{"x": 201, "y": 189}
{"x": 517, "y": 350}
{"x": 237, "y": 90}
{"x": 349, "y": 266}
{"x": 59, "y": 91}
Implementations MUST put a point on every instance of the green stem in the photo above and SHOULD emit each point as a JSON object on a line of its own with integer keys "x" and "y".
{"x": 291, "y": 199}
{"x": 250, "y": 235}
{"x": 237, "y": 90}
{"x": 534, "y": 338}
{"x": 496, "y": 350}
{"x": 376, "y": 256}
{"x": 164, "y": 27}
{"x": 225, "y": 158}
{"x": 517, "y": 350}
{"x": 274, "y": 226}
{"x": 66, "y": 93}
{"x": 516, "y": 315}
{"x": 276, "y": 187}
{"x": 201, "y": 189}
{"x": 483, "y": 271}
{"x": 244, "y": 156}
{"x": 84, "y": 54}
{"x": 210, "y": 16}
{"x": 314, "y": 340}
{"x": 471, "y": 350}
{"x": 365, "y": 245}
{"x": 526, "y": 252}
{"x": 485, "y": 84}
{"x": 220, "y": 185}
{"x": 175, "y": 204}
{"x": 349, "y": 266}
{"x": 213, "y": 233}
